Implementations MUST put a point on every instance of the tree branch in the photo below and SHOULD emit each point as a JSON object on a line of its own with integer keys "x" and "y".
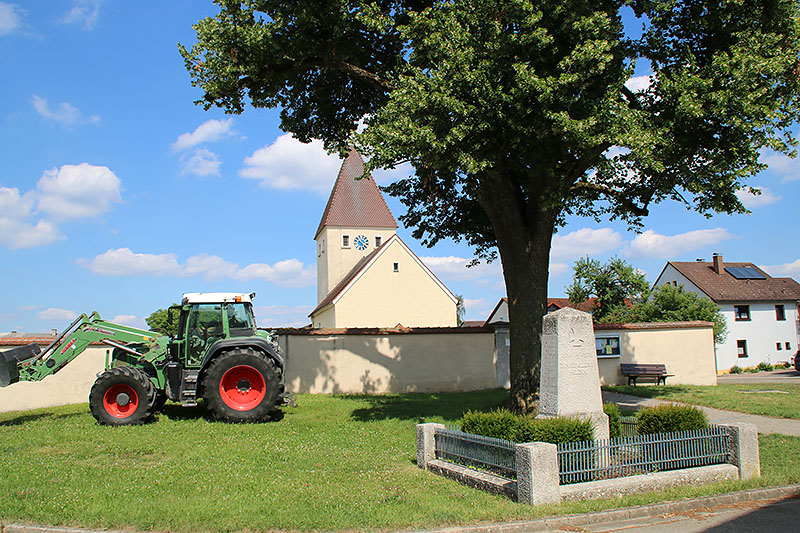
{"x": 631, "y": 98}
{"x": 630, "y": 205}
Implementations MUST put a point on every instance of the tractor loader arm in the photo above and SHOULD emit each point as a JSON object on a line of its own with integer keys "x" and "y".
{"x": 30, "y": 363}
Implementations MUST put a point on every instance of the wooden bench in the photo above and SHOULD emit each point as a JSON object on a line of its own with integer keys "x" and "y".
{"x": 633, "y": 371}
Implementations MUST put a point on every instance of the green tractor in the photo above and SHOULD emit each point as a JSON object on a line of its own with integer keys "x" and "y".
{"x": 218, "y": 354}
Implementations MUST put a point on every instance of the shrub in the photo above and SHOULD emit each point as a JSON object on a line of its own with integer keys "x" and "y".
{"x": 503, "y": 424}
{"x": 735, "y": 369}
{"x": 786, "y": 364}
{"x": 763, "y": 366}
{"x": 614, "y": 422}
{"x": 670, "y": 417}
{"x": 751, "y": 370}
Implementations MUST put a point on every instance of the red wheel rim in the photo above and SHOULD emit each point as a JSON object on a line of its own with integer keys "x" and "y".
{"x": 242, "y": 388}
{"x": 120, "y": 401}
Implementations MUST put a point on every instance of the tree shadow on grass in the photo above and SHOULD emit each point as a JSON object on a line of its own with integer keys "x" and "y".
{"x": 421, "y": 407}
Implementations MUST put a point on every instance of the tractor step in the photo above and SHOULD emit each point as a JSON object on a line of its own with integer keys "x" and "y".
{"x": 189, "y": 388}
{"x": 9, "y": 369}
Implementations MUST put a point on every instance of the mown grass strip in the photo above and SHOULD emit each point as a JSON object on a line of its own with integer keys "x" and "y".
{"x": 756, "y": 399}
{"x": 334, "y": 462}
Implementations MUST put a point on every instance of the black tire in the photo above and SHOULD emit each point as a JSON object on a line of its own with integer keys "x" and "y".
{"x": 122, "y": 396}
{"x": 242, "y": 385}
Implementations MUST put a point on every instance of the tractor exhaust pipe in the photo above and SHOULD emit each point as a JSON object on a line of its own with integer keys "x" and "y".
{"x": 9, "y": 369}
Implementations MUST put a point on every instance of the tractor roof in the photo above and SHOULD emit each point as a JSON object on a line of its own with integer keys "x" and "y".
{"x": 217, "y": 297}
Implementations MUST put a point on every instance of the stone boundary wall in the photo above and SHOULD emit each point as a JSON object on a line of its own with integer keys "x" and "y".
{"x": 537, "y": 470}
{"x": 393, "y": 360}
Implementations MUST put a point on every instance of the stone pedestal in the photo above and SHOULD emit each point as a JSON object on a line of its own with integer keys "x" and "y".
{"x": 570, "y": 380}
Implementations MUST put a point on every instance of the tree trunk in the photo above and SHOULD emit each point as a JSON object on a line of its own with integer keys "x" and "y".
{"x": 523, "y": 241}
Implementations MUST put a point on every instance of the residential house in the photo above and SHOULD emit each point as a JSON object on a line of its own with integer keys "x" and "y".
{"x": 761, "y": 311}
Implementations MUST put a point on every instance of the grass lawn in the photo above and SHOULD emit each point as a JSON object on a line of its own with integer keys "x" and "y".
{"x": 745, "y": 398}
{"x": 334, "y": 462}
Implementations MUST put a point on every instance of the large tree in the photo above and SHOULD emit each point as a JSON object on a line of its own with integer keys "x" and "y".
{"x": 515, "y": 114}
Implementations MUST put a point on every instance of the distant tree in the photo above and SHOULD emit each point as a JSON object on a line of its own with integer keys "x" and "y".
{"x": 461, "y": 310}
{"x": 516, "y": 115}
{"x": 610, "y": 284}
{"x": 158, "y": 321}
{"x": 671, "y": 304}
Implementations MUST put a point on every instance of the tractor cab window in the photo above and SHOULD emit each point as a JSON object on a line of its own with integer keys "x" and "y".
{"x": 240, "y": 319}
{"x": 203, "y": 328}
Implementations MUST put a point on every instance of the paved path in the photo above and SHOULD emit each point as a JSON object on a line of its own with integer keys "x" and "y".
{"x": 765, "y": 424}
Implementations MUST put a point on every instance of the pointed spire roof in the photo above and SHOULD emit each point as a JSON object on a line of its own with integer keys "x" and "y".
{"x": 356, "y": 203}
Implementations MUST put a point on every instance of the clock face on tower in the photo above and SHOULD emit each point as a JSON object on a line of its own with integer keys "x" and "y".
{"x": 361, "y": 242}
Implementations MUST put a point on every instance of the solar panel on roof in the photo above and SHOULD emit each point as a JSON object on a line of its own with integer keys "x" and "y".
{"x": 744, "y": 273}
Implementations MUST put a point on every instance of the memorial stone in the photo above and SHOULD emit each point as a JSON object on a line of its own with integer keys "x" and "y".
{"x": 570, "y": 380}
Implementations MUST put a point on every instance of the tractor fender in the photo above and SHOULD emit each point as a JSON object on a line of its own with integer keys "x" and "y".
{"x": 253, "y": 342}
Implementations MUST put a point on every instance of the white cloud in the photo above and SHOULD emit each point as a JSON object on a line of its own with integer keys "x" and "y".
{"x": 209, "y": 131}
{"x": 9, "y": 18}
{"x": 638, "y": 83}
{"x": 455, "y": 269}
{"x": 283, "y": 315}
{"x": 14, "y": 205}
{"x": 558, "y": 269}
{"x": 753, "y": 201}
{"x": 55, "y": 313}
{"x": 78, "y": 191}
{"x": 84, "y": 12}
{"x": 389, "y": 175}
{"x": 287, "y": 273}
{"x": 65, "y": 113}
{"x": 203, "y": 162}
{"x": 130, "y": 320}
{"x": 785, "y": 270}
{"x": 585, "y": 241}
{"x": 653, "y": 244}
{"x": 781, "y": 166}
{"x": 15, "y": 234}
{"x": 289, "y": 164}
{"x": 124, "y": 262}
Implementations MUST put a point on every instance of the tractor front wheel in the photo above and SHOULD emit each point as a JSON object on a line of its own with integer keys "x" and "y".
{"x": 122, "y": 396}
{"x": 241, "y": 385}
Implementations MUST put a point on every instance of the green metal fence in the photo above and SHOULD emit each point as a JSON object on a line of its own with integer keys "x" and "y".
{"x": 483, "y": 453}
{"x": 641, "y": 454}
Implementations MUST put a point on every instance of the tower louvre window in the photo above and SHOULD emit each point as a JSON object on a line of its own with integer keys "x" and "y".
{"x": 345, "y": 241}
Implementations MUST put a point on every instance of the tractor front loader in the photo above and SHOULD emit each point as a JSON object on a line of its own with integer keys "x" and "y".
{"x": 218, "y": 355}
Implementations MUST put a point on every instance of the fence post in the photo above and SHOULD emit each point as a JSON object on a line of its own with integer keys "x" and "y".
{"x": 537, "y": 473}
{"x": 426, "y": 443}
{"x": 743, "y": 447}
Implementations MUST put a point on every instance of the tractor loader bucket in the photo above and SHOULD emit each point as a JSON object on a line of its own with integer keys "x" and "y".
{"x": 9, "y": 372}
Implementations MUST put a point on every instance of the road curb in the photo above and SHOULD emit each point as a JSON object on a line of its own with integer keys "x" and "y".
{"x": 641, "y": 511}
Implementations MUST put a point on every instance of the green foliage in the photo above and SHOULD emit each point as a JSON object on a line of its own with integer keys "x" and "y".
{"x": 503, "y": 424}
{"x": 614, "y": 419}
{"x": 735, "y": 369}
{"x": 158, "y": 321}
{"x": 671, "y": 304}
{"x": 763, "y": 366}
{"x": 611, "y": 284}
{"x": 751, "y": 370}
{"x": 668, "y": 418}
{"x": 515, "y": 115}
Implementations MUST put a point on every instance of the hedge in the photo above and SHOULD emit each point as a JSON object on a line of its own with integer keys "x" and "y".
{"x": 670, "y": 417}
{"x": 504, "y": 424}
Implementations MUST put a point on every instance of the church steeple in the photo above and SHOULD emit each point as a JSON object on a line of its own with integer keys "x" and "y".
{"x": 356, "y": 203}
{"x": 356, "y": 222}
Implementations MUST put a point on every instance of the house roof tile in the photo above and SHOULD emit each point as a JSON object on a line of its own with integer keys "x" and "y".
{"x": 356, "y": 203}
{"x": 723, "y": 287}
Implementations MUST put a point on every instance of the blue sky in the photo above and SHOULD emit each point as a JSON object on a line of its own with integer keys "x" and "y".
{"x": 118, "y": 194}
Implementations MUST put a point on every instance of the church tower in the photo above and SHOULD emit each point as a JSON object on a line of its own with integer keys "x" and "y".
{"x": 356, "y": 222}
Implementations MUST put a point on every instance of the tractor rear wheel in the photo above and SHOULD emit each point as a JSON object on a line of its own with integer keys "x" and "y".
{"x": 242, "y": 385}
{"x": 122, "y": 396}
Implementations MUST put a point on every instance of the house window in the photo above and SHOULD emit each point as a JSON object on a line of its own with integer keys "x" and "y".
{"x": 674, "y": 283}
{"x": 345, "y": 241}
{"x": 780, "y": 312}
{"x": 788, "y": 345}
{"x": 395, "y": 267}
{"x": 778, "y": 346}
{"x": 378, "y": 241}
{"x": 607, "y": 346}
{"x": 741, "y": 312}
{"x": 741, "y": 348}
